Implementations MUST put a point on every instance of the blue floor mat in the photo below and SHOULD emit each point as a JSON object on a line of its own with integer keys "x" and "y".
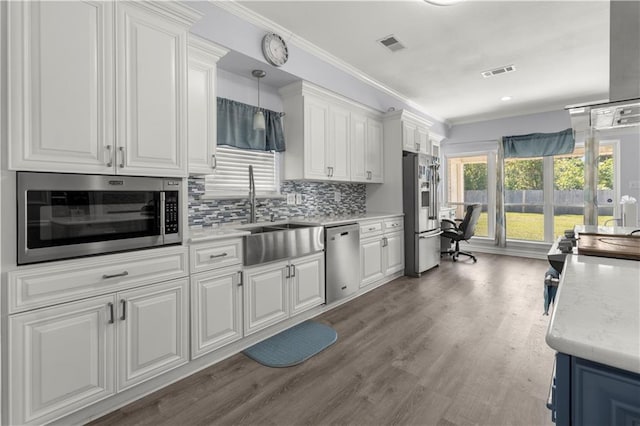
{"x": 294, "y": 345}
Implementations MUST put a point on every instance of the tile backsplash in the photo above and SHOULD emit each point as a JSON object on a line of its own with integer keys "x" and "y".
{"x": 318, "y": 199}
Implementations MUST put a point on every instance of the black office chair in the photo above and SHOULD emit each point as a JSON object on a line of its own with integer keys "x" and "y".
{"x": 462, "y": 232}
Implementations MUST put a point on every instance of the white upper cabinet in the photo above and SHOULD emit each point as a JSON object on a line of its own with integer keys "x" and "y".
{"x": 366, "y": 149}
{"x": 60, "y": 88}
{"x": 202, "y": 123}
{"x": 329, "y": 137}
{"x": 85, "y": 100}
{"x": 414, "y": 131}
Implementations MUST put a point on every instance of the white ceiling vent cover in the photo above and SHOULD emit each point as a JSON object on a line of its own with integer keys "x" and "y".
{"x": 497, "y": 71}
{"x": 391, "y": 43}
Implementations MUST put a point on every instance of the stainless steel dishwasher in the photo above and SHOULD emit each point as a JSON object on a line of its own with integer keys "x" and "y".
{"x": 342, "y": 255}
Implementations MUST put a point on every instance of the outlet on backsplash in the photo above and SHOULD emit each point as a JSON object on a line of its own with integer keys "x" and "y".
{"x": 337, "y": 196}
{"x": 298, "y": 198}
{"x": 291, "y": 199}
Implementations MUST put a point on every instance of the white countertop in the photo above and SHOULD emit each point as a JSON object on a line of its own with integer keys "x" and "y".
{"x": 197, "y": 235}
{"x": 597, "y": 311}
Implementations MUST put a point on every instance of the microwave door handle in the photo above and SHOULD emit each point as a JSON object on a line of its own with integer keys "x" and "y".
{"x": 163, "y": 207}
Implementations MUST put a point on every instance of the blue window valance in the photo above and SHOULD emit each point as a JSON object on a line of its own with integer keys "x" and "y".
{"x": 539, "y": 144}
{"x": 235, "y": 127}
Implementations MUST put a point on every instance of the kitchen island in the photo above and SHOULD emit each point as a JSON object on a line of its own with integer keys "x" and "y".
{"x": 595, "y": 327}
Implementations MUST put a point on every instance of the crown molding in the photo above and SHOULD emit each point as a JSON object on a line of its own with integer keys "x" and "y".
{"x": 266, "y": 24}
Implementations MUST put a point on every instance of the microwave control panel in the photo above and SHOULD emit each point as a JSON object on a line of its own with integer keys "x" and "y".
{"x": 171, "y": 216}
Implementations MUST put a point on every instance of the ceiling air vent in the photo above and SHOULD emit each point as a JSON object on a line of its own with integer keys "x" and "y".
{"x": 498, "y": 71}
{"x": 391, "y": 43}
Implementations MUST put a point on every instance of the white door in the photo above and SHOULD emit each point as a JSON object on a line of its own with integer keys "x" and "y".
{"x": 316, "y": 135}
{"x": 422, "y": 136}
{"x": 151, "y": 89}
{"x": 60, "y": 359}
{"x": 152, "y": 331}
{"x": 374, "y": 153}
{"x": 358, "y": 148}
{"x": 394, "y": 252}
{"x": 60, "y": 84}
{"x": 307, "y": 283}
{"x": 338, "y": 157}
{"x": 216, "y": 310}
{"x": 409, "y": 142}
{"x": 266, "y": 296}
{"x": 202, "y": 116}
{"x": 371, "y": 261}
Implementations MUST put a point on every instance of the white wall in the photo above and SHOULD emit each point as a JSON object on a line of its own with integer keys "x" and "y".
{"x": 245, "y": 90}
{"x": 483, "y": 136}
{"x": 241, "y": 36}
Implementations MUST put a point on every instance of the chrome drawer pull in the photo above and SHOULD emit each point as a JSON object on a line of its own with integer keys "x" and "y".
{"x": 121, "y": 274}
{"x": 110, "y": 306}
{"x": 215, "y": 256}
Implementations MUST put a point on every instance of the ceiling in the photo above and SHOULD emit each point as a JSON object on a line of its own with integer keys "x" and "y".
{"x": 560, "y": 50}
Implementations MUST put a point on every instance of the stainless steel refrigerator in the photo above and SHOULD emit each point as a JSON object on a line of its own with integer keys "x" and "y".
{"x": 420, "y": 179}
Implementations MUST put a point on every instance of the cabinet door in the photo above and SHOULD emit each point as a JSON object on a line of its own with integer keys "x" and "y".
{"x": 374, "y": 152}
{"x": 307, "y": 283}
{"x": 422, "y": 137}
{"x": 60, "y": 86}
{"x": 409, "y": 141}
{"x": 152, "y": 92}
{"x": 371, "y": 261}
{"x": 152, "y": 331}
{"x": 266, "y": 296}
{"x": 358, "y": 148}
{"x": 316, "y": 136}
{"x": 338, "y": 144}
{"x": 216, "y": 310}
{"x": 394, "y": 253}
{"x": 202, "y": 130}
{"x": 60, "y": 359}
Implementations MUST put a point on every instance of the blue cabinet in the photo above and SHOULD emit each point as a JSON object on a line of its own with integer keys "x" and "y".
{"x": 588, "y": 393}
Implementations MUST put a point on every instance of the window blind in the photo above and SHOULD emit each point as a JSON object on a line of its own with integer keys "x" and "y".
{"x": 232, "y": 172}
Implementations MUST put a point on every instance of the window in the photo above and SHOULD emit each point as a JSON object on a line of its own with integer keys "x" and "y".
{"x": 524, "y": 198}
{"x": 231, "y": 177}
{"x": 467, "y": 183}
{"x": 568, "y": 186}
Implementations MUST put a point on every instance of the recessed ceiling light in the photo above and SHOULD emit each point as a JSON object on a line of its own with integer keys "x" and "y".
{"x": 506, "y": 98}
{"x": 443, "y": 2}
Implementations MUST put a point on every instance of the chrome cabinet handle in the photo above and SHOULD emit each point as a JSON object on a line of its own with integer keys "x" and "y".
{"x": 288, "y": 273}
{"x": 371, "y": 229}
{"x": 239, "y": 278}
{"x": 385, "y": 242}
{"x": 215, "y": 256}
{"x": 110, "y": 305}
{"x": 328, "y": 171}
{"x": 214, "y": 161}
{"x": 121, "y": 274}
{"x": 293, "y": 268}
{"x": 124, "y": 309}
{"x": 121, "y": 149}
{"x": 110, "y": 155}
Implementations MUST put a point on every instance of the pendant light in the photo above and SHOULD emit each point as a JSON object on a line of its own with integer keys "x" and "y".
{"x": 258, "y": 117}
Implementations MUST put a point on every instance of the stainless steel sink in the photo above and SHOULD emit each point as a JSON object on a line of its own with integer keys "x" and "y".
{"x": 269, "y": 243}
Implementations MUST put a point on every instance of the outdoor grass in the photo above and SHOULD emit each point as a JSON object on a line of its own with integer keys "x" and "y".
{"x": 530, "y": 226}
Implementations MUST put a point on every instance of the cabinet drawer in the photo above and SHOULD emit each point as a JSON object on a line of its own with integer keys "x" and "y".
{"x": 369, "y": 229}
{"x": 393, "y": 224}
{"x": 65, "y": 281}
{"x": 215, "y": 255}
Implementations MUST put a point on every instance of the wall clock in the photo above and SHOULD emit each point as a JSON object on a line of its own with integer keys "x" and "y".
{"x": 274, "y": 49}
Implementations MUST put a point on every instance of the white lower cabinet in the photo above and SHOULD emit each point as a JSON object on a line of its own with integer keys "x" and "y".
{"x": 371, "y": 261}
{"x": 381, "y": 250}
{"x": 276, "y": 291}
{"x": 216, "y": 309}
{"x": 64, "y": 358}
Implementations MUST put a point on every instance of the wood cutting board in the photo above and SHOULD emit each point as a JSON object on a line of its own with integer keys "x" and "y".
{"x": 607, "y": 245}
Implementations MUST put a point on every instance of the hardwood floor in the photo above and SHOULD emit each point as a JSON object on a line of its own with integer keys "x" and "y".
{"x": 462, "y": 345}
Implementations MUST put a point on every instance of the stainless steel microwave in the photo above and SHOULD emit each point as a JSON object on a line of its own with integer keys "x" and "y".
{"x": 62, "y": 216}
